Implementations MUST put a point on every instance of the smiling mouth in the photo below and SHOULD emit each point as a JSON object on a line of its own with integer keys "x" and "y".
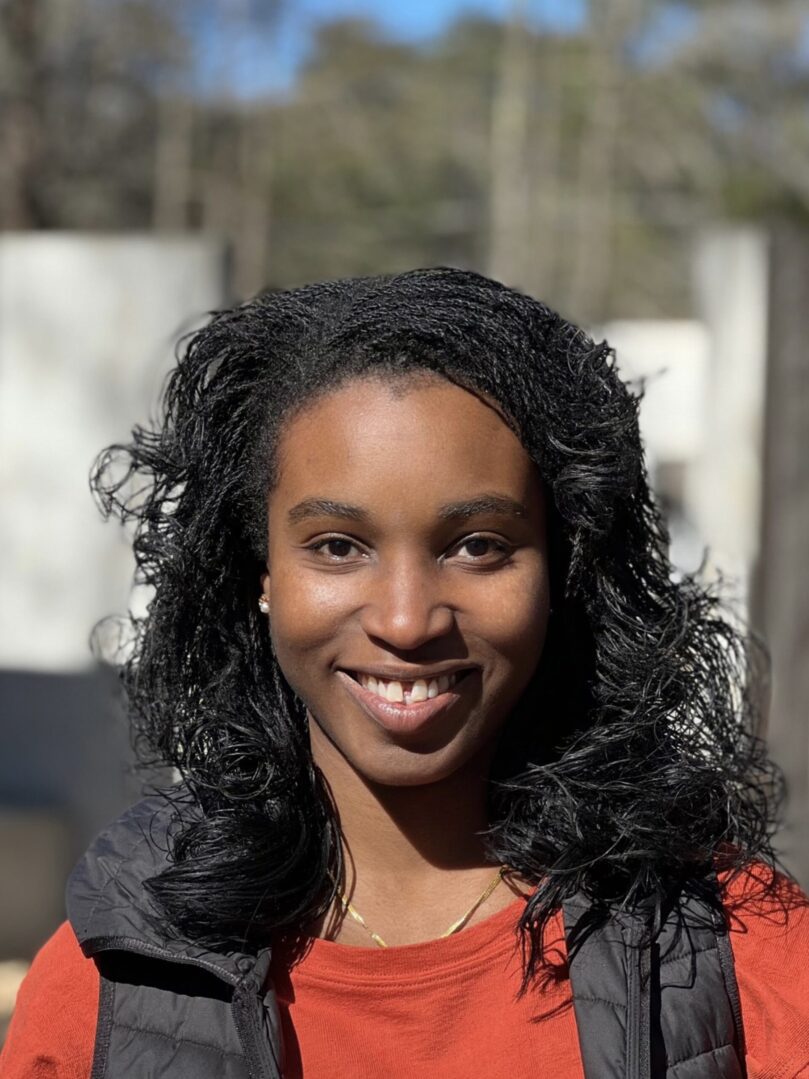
{"x": 409, "y": 692}
{"x": 400, "y": 711}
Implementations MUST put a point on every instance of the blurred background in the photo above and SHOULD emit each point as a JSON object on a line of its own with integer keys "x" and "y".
{"x": 641, "y": 165}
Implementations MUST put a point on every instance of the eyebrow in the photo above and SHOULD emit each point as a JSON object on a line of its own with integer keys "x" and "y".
{"x": 499, "y": 505}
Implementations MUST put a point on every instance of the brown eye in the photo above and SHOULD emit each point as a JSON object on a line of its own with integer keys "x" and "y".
{"x": 338, "y": 547}
{"x": 484, "y": 547}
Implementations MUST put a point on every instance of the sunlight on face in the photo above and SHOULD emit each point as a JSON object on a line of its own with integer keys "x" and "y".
{"x": 374, "y": 564}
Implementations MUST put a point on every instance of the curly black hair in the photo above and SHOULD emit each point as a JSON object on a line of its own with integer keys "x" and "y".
{"x": 633, "y": 761}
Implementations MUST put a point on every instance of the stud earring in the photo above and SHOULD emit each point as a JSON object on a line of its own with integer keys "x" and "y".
{"x": 263, "y": 605}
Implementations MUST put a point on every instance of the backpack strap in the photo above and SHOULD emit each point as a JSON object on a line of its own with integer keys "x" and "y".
{"x": 666, "y": 1010}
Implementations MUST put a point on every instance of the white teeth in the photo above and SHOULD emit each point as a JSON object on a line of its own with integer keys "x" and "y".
{"x": 407, "y": 692}
{"x": 419, "y": 690}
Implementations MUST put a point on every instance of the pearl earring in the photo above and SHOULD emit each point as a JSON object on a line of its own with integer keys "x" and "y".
{"x": 263, "y": 605}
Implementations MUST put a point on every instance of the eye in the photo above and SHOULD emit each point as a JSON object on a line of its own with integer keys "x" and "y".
{"x": 475, "y": 543}
{"x": 339, "y": 542}
{"x": 484, "y": 550}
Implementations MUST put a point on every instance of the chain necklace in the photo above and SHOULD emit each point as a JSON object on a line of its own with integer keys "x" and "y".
{"x": 355, "y": 914}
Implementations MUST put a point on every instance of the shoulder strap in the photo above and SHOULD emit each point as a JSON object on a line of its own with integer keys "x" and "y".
{"x": 669, "y": 1010}
{"x": 190, "y": 1010}
{"x": 185, "y": 1021}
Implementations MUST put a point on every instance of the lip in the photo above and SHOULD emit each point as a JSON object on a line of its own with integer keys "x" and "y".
{"x": 403, "y": 718}
{"x": 391, "y": 675}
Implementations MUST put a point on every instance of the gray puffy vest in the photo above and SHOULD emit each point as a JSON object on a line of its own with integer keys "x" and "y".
{"x": 171, "y": 1008}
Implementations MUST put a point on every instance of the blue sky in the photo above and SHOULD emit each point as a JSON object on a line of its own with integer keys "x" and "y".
{"x": 414, "y": 19}
{"x": 408, "y": 20}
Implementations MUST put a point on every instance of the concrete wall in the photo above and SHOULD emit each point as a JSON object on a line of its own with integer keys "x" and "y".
{"x": 88, "y": 326}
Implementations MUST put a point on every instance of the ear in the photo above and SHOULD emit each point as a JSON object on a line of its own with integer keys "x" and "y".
{"x": 265, "y": 585}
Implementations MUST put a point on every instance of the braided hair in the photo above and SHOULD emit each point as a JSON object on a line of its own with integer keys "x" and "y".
{"x": 633, "y": 758}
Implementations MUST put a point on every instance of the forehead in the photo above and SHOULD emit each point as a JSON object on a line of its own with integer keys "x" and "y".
{"x": 420, "y": 438}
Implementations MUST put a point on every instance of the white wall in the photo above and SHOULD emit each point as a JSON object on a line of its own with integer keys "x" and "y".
{"x": 731, "y": 276}
{"x": 87, "y": 328}
{"x": 704, "y": 403}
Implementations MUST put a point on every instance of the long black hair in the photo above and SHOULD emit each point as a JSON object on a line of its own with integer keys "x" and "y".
{"x": 633, "y": 760}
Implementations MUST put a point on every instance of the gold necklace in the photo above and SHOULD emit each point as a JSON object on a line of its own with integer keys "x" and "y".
{"x": 355, "y": 914}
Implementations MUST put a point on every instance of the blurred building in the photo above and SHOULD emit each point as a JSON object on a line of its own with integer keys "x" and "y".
{"x": 725, "y": 422}
{"x": 88, "y": 325}
{"x": 702, "y": 412}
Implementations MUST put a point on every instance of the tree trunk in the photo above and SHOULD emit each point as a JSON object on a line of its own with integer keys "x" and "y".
{"x": 508, "y": 191}
{"x": 781, "y": 594}
{"x": 172, "y": 177}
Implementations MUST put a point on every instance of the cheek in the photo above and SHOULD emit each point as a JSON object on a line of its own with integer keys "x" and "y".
{"x": 304, "y": 624}
{"x": 513, "y": 615}
{"x": 513, "y": 632}
{"x": 306, "y": 618}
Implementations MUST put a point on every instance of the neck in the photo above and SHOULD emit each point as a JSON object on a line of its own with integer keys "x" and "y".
{"x": 390, "y": 832}
{"x": 414, "y": 855}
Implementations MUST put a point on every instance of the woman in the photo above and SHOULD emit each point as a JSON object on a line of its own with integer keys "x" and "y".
{"x": 470, "y": 783}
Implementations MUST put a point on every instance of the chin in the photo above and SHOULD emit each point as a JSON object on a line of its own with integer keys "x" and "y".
{"x": 410, "y": 762}
{"x": 399, "y": 766}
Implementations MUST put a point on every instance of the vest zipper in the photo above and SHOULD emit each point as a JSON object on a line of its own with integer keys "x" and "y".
{"x": 261, "y": 1063}
{"x": 726, "y": 965}
{"x": 638, "y": 1032}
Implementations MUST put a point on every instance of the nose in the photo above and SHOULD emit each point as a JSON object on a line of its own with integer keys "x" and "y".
{"x": 406, "y": 606}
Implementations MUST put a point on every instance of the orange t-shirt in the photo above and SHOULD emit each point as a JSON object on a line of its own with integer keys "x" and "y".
{"x": 447, "y": 1005}
{"x": 443, "y": 1007}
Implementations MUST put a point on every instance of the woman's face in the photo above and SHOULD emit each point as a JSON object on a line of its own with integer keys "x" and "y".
{"x": 406, "y": 539}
